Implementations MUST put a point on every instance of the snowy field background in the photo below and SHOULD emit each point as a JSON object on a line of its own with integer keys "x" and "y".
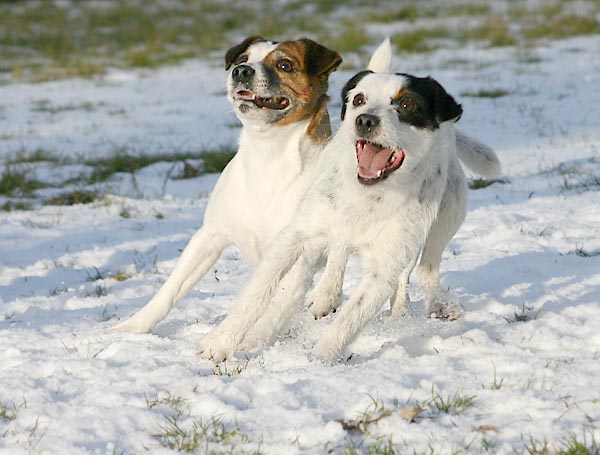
{"x": 518, "y": 373}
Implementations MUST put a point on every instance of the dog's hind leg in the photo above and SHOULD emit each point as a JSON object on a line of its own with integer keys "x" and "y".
{"x": 451, "y": 214}
{"x": 197, "y": 258}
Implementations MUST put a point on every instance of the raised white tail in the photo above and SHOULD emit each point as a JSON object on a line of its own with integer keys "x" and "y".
{"x": 478, "y": 157}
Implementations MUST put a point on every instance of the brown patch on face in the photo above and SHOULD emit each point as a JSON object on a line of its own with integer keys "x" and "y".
{"x": 301, "y": 71}
{"x": 398, "y": 95}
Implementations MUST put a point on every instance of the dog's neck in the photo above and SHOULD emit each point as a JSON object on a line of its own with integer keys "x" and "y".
{"x": 297, "y": 144}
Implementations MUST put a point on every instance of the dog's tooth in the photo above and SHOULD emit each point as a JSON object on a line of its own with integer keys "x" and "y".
{"x": 379, "y": 173}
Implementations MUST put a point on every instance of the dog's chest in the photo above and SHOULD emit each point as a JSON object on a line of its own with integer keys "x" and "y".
{"x": 257, "y": 195}
{"x": 363, "y": 217}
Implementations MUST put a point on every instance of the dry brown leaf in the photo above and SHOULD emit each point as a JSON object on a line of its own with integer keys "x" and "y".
{"x": 410, "y": 413}
{"x": 486, "y": 428}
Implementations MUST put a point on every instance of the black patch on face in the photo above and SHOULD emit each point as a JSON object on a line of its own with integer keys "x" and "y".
{"x": 349, "y": 86}
{"x": 425, "y": 104}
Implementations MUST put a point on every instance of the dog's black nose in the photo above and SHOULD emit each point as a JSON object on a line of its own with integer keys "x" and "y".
{"x": 366, "y": 124}
{"x": 242, "y": 73}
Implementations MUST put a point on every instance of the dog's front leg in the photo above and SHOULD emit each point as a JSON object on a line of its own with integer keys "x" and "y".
{"x": 400, "y": 299}
{"x": 373, "y": 291}
{"x": 285, "y": 251}
{"x": 289, "y": 296}
{"x": 380, "y": 279}
{"x": 326, "y": 295}
{"x": 199, "y": 255}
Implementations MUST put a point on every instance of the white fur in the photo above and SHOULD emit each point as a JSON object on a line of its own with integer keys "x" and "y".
{"x": 381, "y": 60}
{"x": 415, "y": 211}
{"x": 255, "y": 197}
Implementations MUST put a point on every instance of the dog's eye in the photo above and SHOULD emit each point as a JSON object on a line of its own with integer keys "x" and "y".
{"x": 241, "y": 59}
{"x": 285, "y": 65}
{"x": 358, "y": 100}
{"x": 406, "y": 104}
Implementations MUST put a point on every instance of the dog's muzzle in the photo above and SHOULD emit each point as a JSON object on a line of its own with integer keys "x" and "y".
{"x": 366, "y": 124}
{"x": 242, "y": 74}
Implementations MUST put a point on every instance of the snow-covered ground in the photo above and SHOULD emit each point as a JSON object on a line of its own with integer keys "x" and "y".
{"x": 520, "y": 368}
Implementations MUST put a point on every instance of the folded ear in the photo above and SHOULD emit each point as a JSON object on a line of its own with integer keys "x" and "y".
{"x": 232, "y": 54}
{"x": 320, "y": 61}
{"x": 446, "y": 108}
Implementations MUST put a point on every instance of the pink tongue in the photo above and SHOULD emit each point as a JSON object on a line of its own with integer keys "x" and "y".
{"x": 371, "y": 158}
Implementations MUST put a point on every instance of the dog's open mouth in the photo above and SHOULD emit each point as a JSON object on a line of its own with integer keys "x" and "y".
{"x": 376, "y": 162}
{"x": 275, "y": 102}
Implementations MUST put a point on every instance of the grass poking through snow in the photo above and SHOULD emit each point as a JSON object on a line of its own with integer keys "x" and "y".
{"x": 8, "y": 412}
{"x": 17, "y": 183}
{"x": 185, "y": 433}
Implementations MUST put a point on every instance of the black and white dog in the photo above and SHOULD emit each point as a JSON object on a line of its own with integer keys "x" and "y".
{"x": 389, "y": 186}
{"x": 278, "y": 91}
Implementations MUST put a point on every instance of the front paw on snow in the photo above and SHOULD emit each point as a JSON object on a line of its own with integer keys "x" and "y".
{"x": 447, "y": 310}
{"x": 320, "y": 311}
{"x": 215, "y": 349}
{"x": 327, "y": 353}
{"x": 321, "y": 304}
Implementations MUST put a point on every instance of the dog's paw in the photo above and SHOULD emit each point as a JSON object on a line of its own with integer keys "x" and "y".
{"x": 399, "y": 305}
{"x": 321, "y": 301}
{"x": 444, "y": 306}
{"x": 451, "y": 312}
{"x": 216, "y": 348}
{"x": 135, "y": 324}
{"x": 327, "y": 351}
{"x": 254, "y": 339}
{"x": 323, "y": 353}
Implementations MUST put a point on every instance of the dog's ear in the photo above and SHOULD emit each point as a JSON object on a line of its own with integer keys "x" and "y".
{"x": 446, "y": 107}
{"x": 233, "y": 53}
{"x": 320, "y": 61}
{"x": 349, "y": 86}
{"x": 381, "y": 60}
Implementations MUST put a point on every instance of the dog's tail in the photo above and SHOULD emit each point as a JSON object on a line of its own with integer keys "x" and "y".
{"x": 381, "y": 60}
{"x": 478, "y": 157}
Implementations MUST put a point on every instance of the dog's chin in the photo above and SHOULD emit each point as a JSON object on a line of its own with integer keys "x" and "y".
{"x": 376, "y": 162}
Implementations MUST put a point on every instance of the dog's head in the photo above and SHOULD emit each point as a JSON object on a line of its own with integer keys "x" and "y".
{"x": 393, "y": 120}
{"x": 278, "y": 83}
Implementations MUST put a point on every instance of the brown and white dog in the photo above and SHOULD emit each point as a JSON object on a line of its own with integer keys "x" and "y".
{"x": 278, "y": 91}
